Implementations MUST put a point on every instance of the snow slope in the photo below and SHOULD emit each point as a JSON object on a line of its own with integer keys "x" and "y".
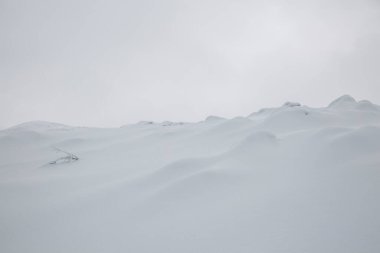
{"x": 289, "y": 179}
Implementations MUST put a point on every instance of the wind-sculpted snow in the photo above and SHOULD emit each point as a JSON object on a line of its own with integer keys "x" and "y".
{"x": 288, "y": 179}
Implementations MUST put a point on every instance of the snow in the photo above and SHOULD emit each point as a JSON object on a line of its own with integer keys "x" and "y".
{"x": 291, "y": 104}
{"x": 287, "y": 179}
{"x": 214, "y": 118}
{"x": 39, "y": 126}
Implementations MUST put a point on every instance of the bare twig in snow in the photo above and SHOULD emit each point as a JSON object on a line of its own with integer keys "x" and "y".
{"x": 65, "y": 159}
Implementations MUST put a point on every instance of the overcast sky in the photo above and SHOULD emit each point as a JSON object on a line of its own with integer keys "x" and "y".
{"x": 111, "y": 62}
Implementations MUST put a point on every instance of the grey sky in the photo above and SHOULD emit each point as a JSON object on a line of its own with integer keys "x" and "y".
{"x": 107, "y": 63}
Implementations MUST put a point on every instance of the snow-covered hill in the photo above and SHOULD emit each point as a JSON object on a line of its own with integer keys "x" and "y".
{"x": 290, "y": 179}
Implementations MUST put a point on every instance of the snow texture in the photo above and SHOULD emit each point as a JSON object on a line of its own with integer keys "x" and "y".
{"x": 290, "y": 179}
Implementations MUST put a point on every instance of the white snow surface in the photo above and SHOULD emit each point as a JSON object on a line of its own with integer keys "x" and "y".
{"x": 290, "y": 179}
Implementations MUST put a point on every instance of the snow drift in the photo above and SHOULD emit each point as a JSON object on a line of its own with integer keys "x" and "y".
{"x": 288, "y": 179}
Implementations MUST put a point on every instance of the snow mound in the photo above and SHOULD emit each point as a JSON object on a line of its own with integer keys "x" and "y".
{"x": 287, "y": 179}
{"x": 258, "y": 139}
{"x": 367, "y": 106}
{"x": 291, "y": 104}
{"x": 144, "y": 122}
{"x": 347, "y": 102}
{"x": 212, "y": 118}
{"x": 40, "y": 126}
{"x": 266, "y": 113}
{"x": 170, "y": 123}
{"x": 343, "y": 102}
